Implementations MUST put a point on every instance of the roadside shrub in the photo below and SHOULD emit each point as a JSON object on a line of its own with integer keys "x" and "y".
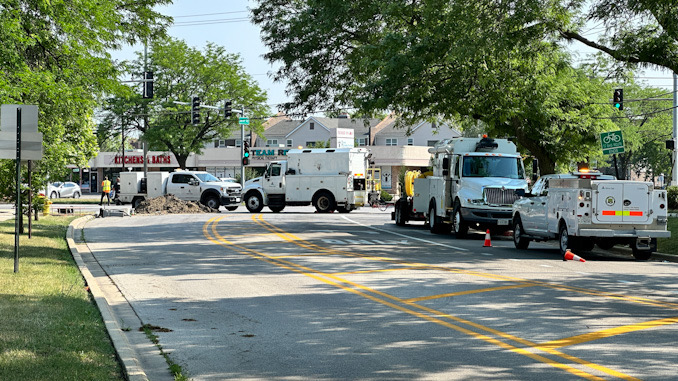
{"x": 386, "y": 196}
{"x": 673, "y": 197}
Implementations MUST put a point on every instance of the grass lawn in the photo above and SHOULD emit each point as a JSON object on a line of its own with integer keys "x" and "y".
{"x": 50, "y": 329}
{"x": 669, "y": 245}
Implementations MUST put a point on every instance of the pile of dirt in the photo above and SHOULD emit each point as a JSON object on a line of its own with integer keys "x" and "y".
{"x": 170, "y": 204}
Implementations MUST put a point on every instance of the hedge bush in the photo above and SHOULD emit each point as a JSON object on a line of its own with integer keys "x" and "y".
{"x": 673, "y": 197}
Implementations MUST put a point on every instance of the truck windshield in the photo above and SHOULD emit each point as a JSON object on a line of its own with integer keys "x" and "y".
{"x": 206, "y": 177}
{"x": 493, "y": 166}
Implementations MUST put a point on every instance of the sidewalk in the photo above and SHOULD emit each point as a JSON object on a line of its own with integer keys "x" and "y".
{"x": 141, "y": 360}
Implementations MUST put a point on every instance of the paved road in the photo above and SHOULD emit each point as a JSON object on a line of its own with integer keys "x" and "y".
{"x": 305, "y": 296}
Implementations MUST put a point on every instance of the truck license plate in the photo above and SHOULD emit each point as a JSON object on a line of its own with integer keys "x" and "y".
{"x": 503, "y": 222}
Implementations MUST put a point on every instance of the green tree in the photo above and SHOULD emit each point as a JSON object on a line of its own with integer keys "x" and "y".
{"x": 55, "y": 55}
{"x": 493, "y": 61}
{"x": 634, "y": 32}
{"x": 181, "y": 72}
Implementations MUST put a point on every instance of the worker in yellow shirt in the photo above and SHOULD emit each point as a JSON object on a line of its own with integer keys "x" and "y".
{"x": 105, "y": 190}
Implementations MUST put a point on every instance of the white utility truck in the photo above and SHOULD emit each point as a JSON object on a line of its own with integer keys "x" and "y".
{"x": 586, "y": 208}
{"x": 328, "y": 178}
{"x": 196, "y": 186}
{"x": 473, "y": 185}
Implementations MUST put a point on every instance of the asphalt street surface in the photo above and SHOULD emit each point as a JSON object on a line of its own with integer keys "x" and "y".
{"x": 304, "y": 296}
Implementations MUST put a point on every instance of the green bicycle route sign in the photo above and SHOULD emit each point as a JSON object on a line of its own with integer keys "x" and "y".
{"x": 612, "y": 142}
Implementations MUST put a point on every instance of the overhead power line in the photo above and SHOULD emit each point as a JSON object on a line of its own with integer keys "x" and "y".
{"x": 211, "y": 14}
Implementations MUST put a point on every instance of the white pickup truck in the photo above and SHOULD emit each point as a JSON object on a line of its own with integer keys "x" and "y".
{"x": 586, "y": 208}
{"x": 196, "y": 186}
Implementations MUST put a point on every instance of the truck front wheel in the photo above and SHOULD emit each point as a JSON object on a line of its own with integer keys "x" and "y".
{"x": 253, "y": 202}
{"x": 324, "y": 202}
{"x": 519, "y": 239}
{"x": 211, "y": 201}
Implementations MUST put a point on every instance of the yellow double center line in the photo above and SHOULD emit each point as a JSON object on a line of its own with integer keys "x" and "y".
{"x": 407, "y": 306}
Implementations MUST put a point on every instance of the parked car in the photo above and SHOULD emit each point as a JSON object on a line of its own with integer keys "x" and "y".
{"x": 64, "y": 190}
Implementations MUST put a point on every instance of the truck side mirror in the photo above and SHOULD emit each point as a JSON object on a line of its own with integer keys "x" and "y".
{"x": 535, "y": 177}
{"x": 446, "y": 166}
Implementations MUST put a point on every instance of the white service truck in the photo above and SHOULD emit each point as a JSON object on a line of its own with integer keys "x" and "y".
{"x": 586, "y": 208}
{"x": 196, "y": 186}
{"x": 327, "y": 178}
{"x": 473, "y": 185}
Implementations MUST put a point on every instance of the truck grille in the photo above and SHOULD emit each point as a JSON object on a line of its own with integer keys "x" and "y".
{"x": 500, "y": 196}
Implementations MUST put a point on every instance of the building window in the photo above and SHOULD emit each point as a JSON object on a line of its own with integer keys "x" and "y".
{"x": 312, "y": 126}
{"x": 238, "y": 142}
{"x": 310, "y": 144}
{"x": 431, "y": 143}
{"x": 289, "y": 143}
{"x": 219, "y": 143}
{"x": 391, "y": 141}
{"x": 410, "y": 141}
{"x": 272, "y": 143}
{"x": 362, "y": 142}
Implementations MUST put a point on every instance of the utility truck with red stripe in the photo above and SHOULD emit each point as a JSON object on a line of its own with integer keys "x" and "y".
{"x": 328, "y": 178}
{"x": 586, "y": 208}
{"x": 472, "y": 185}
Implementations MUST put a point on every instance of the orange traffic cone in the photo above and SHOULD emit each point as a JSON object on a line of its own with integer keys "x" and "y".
{"x": 487, "y": 239}
{"x": 569, "y": 256}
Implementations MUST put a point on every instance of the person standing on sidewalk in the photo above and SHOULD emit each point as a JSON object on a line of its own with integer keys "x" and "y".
{"x": 105, "y": 191}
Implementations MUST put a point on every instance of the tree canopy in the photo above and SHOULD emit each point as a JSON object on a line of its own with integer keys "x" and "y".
{"x": 494, "y": 61}
{"x": 180, "y": 72}
{"x": 54, "y": 54}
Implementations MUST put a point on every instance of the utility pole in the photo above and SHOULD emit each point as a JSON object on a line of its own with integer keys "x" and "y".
{"x": 145, "y": 145}
{"x": 242, "y": 148}
{"x": 674, "y": 171}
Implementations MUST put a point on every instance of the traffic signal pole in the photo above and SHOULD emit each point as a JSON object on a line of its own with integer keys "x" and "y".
{"x": 242, "y": 149}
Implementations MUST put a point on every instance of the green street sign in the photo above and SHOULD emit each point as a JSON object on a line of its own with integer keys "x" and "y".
{"x": 612, "y": 142}
{"x": 244, "y": 120}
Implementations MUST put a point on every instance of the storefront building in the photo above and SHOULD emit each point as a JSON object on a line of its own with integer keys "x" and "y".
{"x": 393, "y": 150}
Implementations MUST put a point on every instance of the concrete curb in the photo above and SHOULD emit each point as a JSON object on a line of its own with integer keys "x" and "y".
{"x": 136, "y": 354}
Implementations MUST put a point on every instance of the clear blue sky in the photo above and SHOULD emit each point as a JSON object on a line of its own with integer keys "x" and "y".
{"x": 224, "y": 23}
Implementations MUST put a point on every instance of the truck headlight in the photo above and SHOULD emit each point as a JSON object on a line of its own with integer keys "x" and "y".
{"x": 476, "y": 201}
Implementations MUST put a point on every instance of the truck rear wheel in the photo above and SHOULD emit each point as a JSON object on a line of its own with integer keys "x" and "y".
{"x": 519, "y": 239}
{"x": 253, "y": 202}
{"x": 435, "y": 225}
{"x": 459, "y": 226}
{"x": 401, "y": 213}
{"x": 564, "y": 239}
{"x": 276, "y": 209}
{"x": 643, "y": 254}
{"x": 324, "y": 202}
{"x": 136, "y": 201}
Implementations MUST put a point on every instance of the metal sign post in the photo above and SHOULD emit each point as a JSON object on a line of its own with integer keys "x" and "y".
{"x": 612, "y": 143}
{"x": 19, "y": 216}
{"x": 19, "y": 140}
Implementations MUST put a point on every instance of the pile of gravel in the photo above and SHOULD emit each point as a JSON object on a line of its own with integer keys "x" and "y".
{"x": 170, "y": 204}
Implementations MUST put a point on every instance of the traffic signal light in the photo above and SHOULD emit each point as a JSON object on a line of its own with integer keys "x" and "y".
{"x": 618, "y": 99}
{"x": 195, "y": 111}
{"x": 245, "y": 153}
{"x": 148, "y": 85}
{"x": 227, "y": 109}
